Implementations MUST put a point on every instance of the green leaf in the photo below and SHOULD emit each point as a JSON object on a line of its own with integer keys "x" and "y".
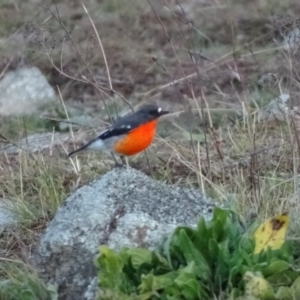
{"x": 153, "y": 283}
{"x": 201, "y": 240}
{"x": 160, "y": 264}
{"x": 171, "y": 249}
{"x": 246, "y": 257}
{"x": 144, "y": 296}
{"x": 109, "y": 294}
{"x": 172, "y": 292}
{"x": 285, "y": 278}
{"x": 221, "y": 275}
{"x": 190, "y": 287}
{"x": 286, "y": 252}
{"x": 284, "y": 293}
{"x": 233, "y": 274}
{"x": 139, "y": 256}
{"x": 111, "y": 265}
{"x": 110, "y": 260}
{"x": 218, "y": 230}
{"x": 202, "y": 231}
{"x": 191, "y": 254}
{"x": 295, "y": 288}
{"x": 161, "y": 259}
{"x": 147, "y": 283}
{"x": 213, "y": 249}
{"x": 220, "y": 214}
{"x": 275, "y": 267}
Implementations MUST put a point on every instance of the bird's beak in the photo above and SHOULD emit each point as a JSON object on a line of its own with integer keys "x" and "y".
{"x": 163, "y": 112}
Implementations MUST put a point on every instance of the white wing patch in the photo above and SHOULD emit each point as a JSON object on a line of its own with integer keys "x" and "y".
{"x": 126, "y": 126}
{"x": 159, "y": 109}
{"x": 97, "y": 145}
{"x": 104, "y": 133}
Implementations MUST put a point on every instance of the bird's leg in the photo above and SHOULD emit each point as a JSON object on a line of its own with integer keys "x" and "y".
{"x": 123, "y": 160}
{"x": 117, "y": 164}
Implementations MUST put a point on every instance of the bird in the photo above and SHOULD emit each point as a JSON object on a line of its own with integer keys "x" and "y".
{"x": 129, "y": 135}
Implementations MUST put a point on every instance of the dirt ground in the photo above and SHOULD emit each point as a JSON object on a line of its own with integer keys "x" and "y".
{"x": 227, "y": 45}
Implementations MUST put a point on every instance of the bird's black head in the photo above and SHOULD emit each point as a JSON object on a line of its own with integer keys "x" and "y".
{"x": 152, "y": 111}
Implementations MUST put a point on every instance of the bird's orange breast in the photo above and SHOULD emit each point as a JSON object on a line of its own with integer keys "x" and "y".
{"x": 136, "y": 140}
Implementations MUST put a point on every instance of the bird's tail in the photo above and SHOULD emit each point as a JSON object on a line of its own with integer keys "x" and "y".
{"x": 95, "y": 144}
{"x": 79, "y": 149}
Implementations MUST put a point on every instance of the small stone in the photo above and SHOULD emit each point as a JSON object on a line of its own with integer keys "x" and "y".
{"x": 277, "y": 109}
{"x": 292, "y": 39}
{"x": 24, "y": 91}
{"x": 7, "y": 217}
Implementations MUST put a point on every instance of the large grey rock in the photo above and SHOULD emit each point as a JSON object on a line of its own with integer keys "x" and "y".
{"x": 24, "y": 91}
{"x": 123, "y": 208}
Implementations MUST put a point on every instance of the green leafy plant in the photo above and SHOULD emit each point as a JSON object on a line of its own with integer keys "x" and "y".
{"x": 215, "y": 260}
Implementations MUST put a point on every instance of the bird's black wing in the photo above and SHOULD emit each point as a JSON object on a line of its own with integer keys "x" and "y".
{"x": 122, "y": 126}
{"x": 112, "y": 132}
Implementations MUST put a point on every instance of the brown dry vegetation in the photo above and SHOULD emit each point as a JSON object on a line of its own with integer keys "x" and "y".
{"x": 215, "y": 51}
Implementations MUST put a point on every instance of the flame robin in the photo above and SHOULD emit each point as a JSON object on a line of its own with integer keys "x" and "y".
{"x": 129, "y": 135}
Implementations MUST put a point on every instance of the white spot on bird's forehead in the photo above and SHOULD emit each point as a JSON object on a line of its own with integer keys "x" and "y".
{"x": 159, "y": 109}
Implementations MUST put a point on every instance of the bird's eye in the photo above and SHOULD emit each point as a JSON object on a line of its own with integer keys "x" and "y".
{"x": 154, "y": 112}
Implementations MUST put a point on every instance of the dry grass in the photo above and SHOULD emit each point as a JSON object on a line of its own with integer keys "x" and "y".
{"x": 205, "y": 71}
